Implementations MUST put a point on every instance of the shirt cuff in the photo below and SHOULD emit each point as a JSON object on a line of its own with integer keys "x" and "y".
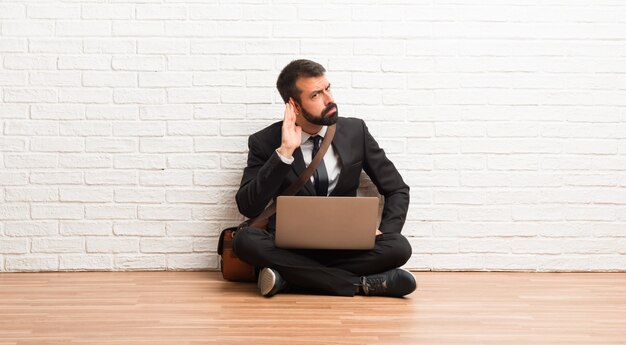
{"x": 285, "y": 159}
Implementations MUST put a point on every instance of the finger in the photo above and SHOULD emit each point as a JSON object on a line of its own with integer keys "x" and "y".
{"x": 290, "y": 116}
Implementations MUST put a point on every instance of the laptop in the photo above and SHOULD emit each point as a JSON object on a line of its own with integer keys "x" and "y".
{"x": 313, "y": 222}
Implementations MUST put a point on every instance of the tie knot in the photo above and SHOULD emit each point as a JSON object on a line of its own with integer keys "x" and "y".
{"x": 316, "y": 139}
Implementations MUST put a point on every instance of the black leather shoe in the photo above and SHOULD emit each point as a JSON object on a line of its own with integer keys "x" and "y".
{"x": 270, "y": 282}
{"x": 397, "y": 282}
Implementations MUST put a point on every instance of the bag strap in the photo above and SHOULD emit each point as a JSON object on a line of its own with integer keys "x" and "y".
{"x": 261, "y": 219}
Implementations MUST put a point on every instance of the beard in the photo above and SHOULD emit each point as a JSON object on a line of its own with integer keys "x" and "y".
{"x": 324, "y": 119}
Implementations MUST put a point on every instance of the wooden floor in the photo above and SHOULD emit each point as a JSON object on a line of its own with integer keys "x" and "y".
{"x": 200, "y": 308}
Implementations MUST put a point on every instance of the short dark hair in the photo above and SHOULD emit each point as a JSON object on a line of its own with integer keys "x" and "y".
{"x": 286, "y": 83}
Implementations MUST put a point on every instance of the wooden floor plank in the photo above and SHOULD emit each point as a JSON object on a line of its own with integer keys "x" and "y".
{"x": 200, "y": 308}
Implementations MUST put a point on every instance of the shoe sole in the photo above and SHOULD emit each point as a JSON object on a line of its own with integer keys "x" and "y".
{"x": 267, "y": 281}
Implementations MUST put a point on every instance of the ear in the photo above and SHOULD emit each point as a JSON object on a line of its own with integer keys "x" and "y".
{"x": 296, "y": 106}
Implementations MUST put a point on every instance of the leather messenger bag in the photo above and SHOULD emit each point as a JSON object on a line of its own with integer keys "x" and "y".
{"x": 235, "y": 269}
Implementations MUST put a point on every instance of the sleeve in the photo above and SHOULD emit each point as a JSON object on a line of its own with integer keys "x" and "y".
{"x": 262, "y": 178}
{"x": 389, "y": 183}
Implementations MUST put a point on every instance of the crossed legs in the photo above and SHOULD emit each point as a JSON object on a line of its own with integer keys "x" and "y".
{"x": 336, "y": 272}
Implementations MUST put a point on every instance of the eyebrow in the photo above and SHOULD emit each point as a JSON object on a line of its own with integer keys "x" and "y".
{"x": 318, "y": 90}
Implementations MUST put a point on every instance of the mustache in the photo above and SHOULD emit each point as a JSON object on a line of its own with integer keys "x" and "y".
{"x": 328, "y": 108}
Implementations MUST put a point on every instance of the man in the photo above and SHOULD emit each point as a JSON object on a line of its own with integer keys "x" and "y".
{"x": 277, "y": 156}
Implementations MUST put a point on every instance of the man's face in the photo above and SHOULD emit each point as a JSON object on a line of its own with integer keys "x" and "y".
{"x": 317, "y": 104}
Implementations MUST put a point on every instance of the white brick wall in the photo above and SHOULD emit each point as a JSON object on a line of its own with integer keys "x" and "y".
{"x": 123, "y": 124}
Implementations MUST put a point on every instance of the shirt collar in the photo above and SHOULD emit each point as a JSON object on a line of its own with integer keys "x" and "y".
{"x": 306, "y": 136}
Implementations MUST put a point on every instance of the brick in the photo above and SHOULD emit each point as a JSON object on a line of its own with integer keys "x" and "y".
{"x": 139, "y": 195}
{"x": 215, "y": 46}
{"x": 193, "y": 161}
{"x": 57, "y": 211}
{"x": 14, "y": 246}
{"x": 215, "y": 12}
{"x": 109, "y": 45}
{"x": 85, "y": 228}
{"x": 110, "y": 79}
{"x": 255, "y": 63}
{"x": 13, "y": 178}
{"x": 139, "y": 129}
{"x": 112, "y": 245}
{"x": 83, "y": 28}
{"x": 57, "y": 144}
{"x": 193, "y": 95}
{"x": 13, "y": 212}
{"x": 138, "y": 63}
{"x": 140, "y": 262}
{"x": 139, "y": 96}
{"x": 110, "y": 177}
{"x": 220, "y": 144}
{"x": 12, "y": 11}
{"x": 164, "y": 213}
{"x": 13, "y": 45}
{"x": 53, "y": 177}
{"x": 31, "y": 95}
{"x": 85, "y": 262}
{"x": 112, "y": 112}
{"x": 57, "y": 112}
{"x": 217, "y": 178}
{"x": 28, "y": 28}
{"x": 165, "y": 145}
{"x": 166, "y": 245}
{"x": 30, "y": 160}
{"x": 14, "y": 111}
{"x": 192, "y": 261}
{"x": 55, "y": 79}
{"x": 86, "y": 95}
{"x": 138, "y": 28}
{"x": 58, "y": 245}
{"x": 32, "y": 263}
{"x": 54, "y": 12}
{"x": 190, "y": 228}
{"x": 192, "y": 63}
{"x": 205, "y": 245}
{"x": 190, "y": 29}
{"x": 166, "y": 178}
{"x": 110, "y": 212}
{"x": 31, "y": 228}
{"x": 220, "y": 111}
{"x": 162, "y": 46}
{"x": 106, "y": 11}
{"x": 193, "y": 128}
{"x": 80, "y": 160}
{"x": 161, "y": 12}
{"x": 140, "y": 162}
{"x": 86, "y": 194}
{"x": 31, "y": 194}
{"x": 12, "y": 144}
{"x": 193, "y": 196}
{"x": 111, "y": 145}
{"x": 13, "y": 79}
{"x": 85, "y": 128}
{"x": 140, "y": 228}
{"x": 167, "y": 79}
{"x": 243, "y": 29}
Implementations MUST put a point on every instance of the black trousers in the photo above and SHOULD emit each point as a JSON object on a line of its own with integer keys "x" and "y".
{"x": 335, "y": 272}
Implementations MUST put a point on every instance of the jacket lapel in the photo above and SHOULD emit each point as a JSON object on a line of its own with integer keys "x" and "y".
{"x": 342, "y": 148}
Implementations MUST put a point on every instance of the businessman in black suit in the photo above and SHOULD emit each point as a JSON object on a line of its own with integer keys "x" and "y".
{"x": 277, "y": 156}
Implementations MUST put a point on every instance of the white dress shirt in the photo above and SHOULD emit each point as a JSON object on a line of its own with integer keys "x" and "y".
{"x": 331, "y": 159}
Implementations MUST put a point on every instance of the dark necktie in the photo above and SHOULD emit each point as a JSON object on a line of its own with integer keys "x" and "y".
{"x": 320, "y": 176}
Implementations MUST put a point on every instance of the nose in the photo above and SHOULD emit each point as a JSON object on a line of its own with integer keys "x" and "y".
{"x": 328, "y": 97}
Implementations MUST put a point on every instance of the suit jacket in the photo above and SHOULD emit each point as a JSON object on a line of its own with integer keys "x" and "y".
{"x": 266, "y": 176}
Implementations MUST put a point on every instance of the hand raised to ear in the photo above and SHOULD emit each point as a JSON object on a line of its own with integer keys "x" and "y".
{"x": 291, "y": 133}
